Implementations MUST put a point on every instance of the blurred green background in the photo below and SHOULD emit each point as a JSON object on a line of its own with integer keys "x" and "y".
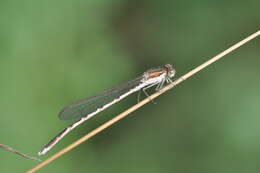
{"x": 55, "y": 52}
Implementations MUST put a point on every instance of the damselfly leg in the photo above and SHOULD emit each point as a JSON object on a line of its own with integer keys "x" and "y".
{"x": 168, "y": 80}
{"x": 160, "y": 85}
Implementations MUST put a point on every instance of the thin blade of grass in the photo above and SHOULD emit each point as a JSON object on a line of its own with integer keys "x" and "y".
{"x": 5, "y": 147}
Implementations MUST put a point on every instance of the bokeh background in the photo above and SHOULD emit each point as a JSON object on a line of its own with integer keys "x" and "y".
{"x": 54, "y": 52}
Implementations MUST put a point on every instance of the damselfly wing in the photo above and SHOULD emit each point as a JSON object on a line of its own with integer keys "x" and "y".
{"x": 85, "y": 106}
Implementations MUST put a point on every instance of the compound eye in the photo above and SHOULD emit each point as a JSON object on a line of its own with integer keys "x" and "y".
{"x": 168, "y": 67}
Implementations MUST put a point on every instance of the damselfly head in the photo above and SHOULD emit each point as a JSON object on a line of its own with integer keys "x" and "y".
{"x": 170, "y": 70}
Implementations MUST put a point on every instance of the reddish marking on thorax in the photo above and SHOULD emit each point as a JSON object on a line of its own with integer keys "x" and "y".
{"x": 153, "y": 74}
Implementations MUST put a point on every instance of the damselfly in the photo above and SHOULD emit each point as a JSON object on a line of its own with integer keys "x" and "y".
{"x": 86, "y": 108}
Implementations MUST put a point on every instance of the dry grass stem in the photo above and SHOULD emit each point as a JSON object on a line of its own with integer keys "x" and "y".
{"x": 17, "y": 152}
{"x": 140, "y": 104}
